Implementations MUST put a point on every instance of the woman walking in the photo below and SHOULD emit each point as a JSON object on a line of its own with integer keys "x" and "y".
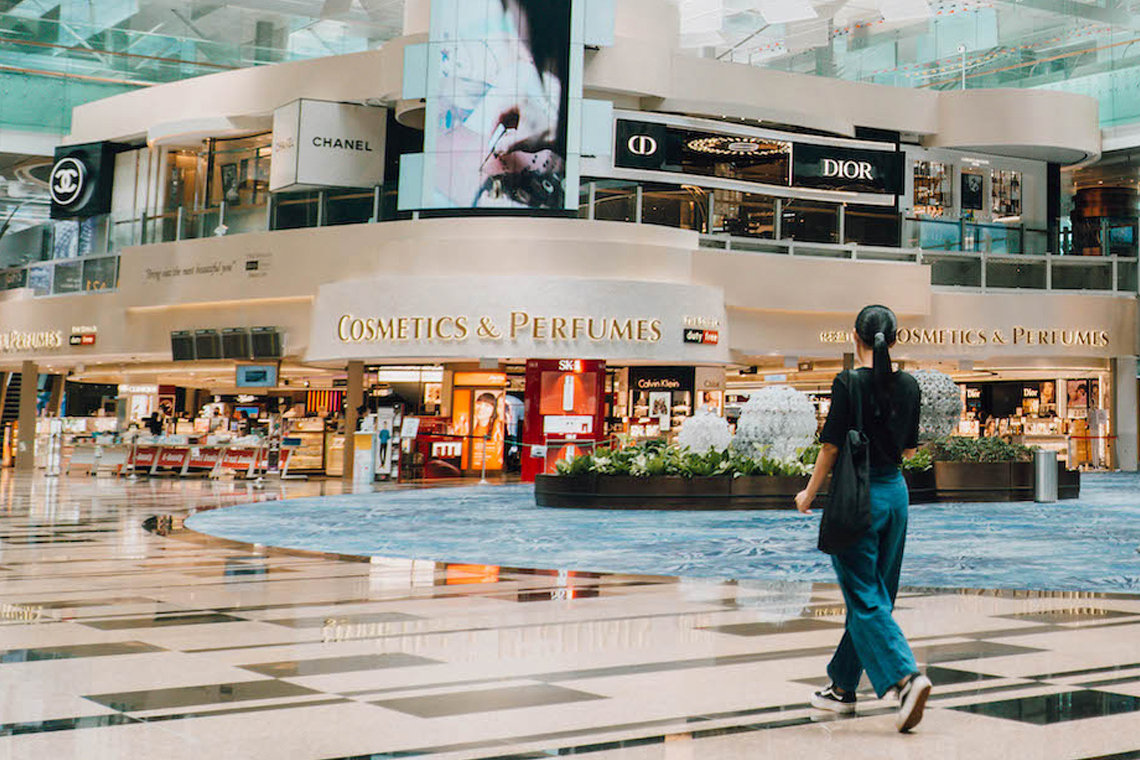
{"x": 868, "y": 569}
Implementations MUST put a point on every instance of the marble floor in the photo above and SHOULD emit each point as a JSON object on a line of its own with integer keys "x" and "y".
{"x": 123, "y": 634}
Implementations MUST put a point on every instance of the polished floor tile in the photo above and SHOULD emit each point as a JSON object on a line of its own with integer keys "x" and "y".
{"x": 124, "y": 634}
{"x": 1057, "y": 708}
{"x": 486, "y": 700}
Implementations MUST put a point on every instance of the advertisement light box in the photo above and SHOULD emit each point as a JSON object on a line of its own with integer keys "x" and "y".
{"x": 256, "y": 376}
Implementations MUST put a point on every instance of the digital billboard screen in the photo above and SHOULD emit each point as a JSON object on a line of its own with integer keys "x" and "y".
{"x": 497, "y": 116}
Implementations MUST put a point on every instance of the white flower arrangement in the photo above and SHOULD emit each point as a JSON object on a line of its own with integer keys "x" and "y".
{"x": 704, "y": 432}
{"x": 941, "y": 406}
{"x": 777, "y": 422}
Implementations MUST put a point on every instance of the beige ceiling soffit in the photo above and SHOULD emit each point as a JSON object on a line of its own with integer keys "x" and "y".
{"x": 720, "y": 109}
{"x": 281, "y": 300}
{"x": 193, "y": 131}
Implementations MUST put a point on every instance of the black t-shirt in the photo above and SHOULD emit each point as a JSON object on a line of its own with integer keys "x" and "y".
{"x": 895, "y": 431}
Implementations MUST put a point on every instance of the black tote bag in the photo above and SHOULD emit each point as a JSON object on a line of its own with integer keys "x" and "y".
{"x": 848, "y": 512}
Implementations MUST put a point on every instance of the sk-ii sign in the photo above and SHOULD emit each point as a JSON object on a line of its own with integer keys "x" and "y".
{"x": 856, "y": 170}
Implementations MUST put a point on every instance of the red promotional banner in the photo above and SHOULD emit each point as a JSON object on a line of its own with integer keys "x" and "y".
{"x": 239, "y": 459}
{"x": 173, "y": 457}
{"x": 144, "y": 456}
{"x": 205, "y": 457}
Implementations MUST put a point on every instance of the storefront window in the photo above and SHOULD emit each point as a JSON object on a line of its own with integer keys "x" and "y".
{"x": 68, "y": 277}
{"x": 933, "y": 188}
{"x": 685, "y": 207}
{"x": 743, "y": 214}
{"x": 615, "y": 201}
{"x": 348, "y": 206}
{"x": 100, "y": 273}
{"x": 239, "y": 176}
{"x": 810, "y": 221}
{"x": 748, "y": 159}
{"x": 295, "y": 210}
{"x": 871, "y": 225}
{"x": 1005, "y": 187}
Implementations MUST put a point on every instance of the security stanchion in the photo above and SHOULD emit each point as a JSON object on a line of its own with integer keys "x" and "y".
{"x": 483, "y": 480}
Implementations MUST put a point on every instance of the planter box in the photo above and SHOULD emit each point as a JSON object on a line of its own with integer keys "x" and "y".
{"x": 1068, "y": 482}
{"x": 661, "y": 492}
{"x": 984, "y": 481}
{"x": 921, "y": 485}
{"x": 770, "y": 491}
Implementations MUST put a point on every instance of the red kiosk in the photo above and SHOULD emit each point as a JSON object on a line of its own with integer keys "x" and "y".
{"x": 564, "y": 410}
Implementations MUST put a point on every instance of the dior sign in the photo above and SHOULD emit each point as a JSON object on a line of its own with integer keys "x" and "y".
{"x": 848, "y": 169}
{"x": 854, "y": 170}
{"x": 642, "y": 145}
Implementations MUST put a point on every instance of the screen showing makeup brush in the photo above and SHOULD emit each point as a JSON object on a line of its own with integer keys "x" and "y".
{"x": 496, "y": 113}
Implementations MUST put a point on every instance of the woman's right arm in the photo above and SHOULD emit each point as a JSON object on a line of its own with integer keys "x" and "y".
{"x": 823, "y": 464}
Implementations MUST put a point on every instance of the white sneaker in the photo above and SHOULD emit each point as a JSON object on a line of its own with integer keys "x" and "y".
{"x": 912, "y": 701}
{"x": 829, "y": 699}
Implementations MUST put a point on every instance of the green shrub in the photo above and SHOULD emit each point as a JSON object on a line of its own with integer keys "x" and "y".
{"x": 922, "y": 461}
{"x": 956, "y": 448}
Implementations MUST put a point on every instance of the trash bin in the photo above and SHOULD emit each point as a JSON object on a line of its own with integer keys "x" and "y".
{"x": 1044, "y": 476}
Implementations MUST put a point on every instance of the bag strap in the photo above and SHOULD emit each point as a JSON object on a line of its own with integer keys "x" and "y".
{"x": 855, "y": 398}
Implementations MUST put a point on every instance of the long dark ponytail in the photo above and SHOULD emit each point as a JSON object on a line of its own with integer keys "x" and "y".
{"x": 877, "y": 327}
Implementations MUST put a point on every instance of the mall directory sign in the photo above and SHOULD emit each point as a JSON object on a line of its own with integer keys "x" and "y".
{"x": 81, "y": 179}
{"x": 498, "y": 105}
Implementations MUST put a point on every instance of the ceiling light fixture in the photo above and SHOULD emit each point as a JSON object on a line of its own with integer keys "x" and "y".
{"x": 738, "y": 146}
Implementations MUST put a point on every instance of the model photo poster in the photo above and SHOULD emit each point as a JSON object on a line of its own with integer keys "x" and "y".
{"x": 498, "y": 104}
{"x": 661, "y": 408}
{"x": 973, "y": 198}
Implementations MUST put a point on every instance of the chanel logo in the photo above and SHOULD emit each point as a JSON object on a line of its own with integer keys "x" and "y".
{"x": 67, "y": 180}
{"x": 847, "y": 169}
{"x": 642, "y": 145}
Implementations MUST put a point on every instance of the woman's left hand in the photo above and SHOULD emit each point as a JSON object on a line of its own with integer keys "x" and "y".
{"x": 803, "y": 501}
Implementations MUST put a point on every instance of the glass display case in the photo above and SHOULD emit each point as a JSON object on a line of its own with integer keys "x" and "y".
{"x": 310, "y": 454}
{"x": 933, "y": 188}
{"x": 1005, "y": 187}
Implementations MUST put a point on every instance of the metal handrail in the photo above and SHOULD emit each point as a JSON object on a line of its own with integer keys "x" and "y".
{"x": 851, "y": 251}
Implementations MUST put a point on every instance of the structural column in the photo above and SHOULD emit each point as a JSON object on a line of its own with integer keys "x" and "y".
{"x": 353, "y": 401}
{"x": 26, "y": 438}
{"x": 1125, "y": 421}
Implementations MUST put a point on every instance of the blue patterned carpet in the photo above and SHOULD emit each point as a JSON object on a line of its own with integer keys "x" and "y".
{"x": 1090, "y": 544}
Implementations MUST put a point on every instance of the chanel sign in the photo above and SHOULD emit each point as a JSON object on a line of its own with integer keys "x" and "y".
{"x": 80, "y": 181}
{"x": 67, "y": 180}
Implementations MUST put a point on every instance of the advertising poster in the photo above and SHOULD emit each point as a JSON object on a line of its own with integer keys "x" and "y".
{"x": 230, "y": 183}
{"x": 479, "y": 416}
{"x": 972, "y": 198}
{"x": 568, "y": 393}
{"x": 498, "y": 102}
{"x": 660, "y": 408}
{"x": 1078, "y": 394}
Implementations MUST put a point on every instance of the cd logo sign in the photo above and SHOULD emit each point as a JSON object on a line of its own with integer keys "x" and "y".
{"x": 642, "y": 145}
{"x": 68, "y": 180}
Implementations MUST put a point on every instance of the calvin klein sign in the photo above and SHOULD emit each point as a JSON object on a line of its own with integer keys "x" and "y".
{"x": 856, "y": 170}
{"x": 318, "y": 144}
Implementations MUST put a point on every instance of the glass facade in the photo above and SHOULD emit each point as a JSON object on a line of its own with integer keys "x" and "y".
{"x": 1070, "y": 46}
